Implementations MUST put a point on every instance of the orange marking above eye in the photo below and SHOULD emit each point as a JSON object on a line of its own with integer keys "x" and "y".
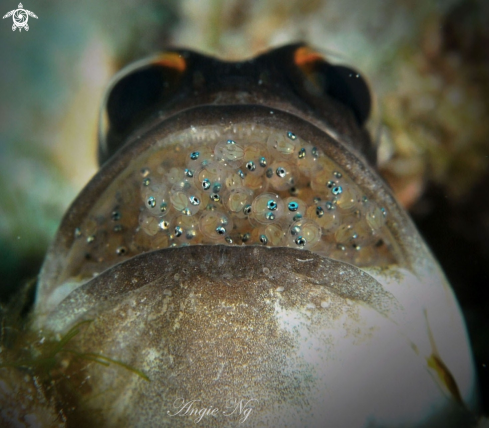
{"x": 305, "y": 58}
{"x": 172, "y": 60}
{"x": 306, "y": 61}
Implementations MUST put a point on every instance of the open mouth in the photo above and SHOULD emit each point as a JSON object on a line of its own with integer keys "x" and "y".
{"x": 263, "y": 178}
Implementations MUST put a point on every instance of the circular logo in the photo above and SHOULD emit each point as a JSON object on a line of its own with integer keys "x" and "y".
{"x": 20, "y": 17}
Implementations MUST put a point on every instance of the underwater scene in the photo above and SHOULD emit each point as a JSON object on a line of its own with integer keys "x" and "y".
{"x": 246, "y": 213}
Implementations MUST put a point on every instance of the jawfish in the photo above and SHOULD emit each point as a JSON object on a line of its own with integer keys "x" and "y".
{"x": 241, "y": 261}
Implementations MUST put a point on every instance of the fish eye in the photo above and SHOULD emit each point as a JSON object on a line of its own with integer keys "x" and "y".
{"x": 341, "y": 83}
{"x": 134, "y": 94}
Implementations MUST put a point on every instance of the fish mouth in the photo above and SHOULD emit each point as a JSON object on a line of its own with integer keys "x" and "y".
{"x": 227, "y": 175}
{"x": 232, "y": 276}
{"x": 212, "y": 245}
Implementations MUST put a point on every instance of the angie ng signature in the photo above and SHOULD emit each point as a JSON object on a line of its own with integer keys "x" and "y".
{"x": 193, "y": 408}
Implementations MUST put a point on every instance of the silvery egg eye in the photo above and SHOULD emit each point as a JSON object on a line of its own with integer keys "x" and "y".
{"x": 137, "y": 92}
{"x": 343, "y": 84}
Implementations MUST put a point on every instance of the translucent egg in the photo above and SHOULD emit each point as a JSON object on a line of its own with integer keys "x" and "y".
{"x": 210, "y": 178}
{"x": 215, "y": 225}
{"x": 365, "y": 234}
{"x": 375, "y": 216}
{"x": 156, "y": 198}
{"x": 186, "y": 229}
{"x": 307, "y": 160}
{"x": 284, "y": 175}
{"x": 237, "y": 199}
{"x": 197, "y": 158}
{"x": 256, "y": 159}
{"x": 348, "y": 198}
{"x": 267, "y": 208}
{"x": 304, "y": 234}
{"x": 186, "y": 199}
{"x": 346, "y": 234}
{"x": 295, "y": 209}
{"x": 149, "y": 223}
{"x": 270, "y": 235}
{"x": 274, "y": 234}
{"x": 230, "y": 152}
{"x": 323, "y": 174}
{"x": 256, "y": 183}
{"x": 176, "y": 176}
{"x": 280, "y": 146}
{"x": 233, "y": 181}
{"x": 165, "y": 224}
{"x": 326, "y": 216}
{"x": 141, "y": 241}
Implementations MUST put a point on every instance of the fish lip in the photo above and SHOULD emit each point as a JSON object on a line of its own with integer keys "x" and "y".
{"x": 226, "y": 116}
{"x": 224, "y": 265}
{"x": 125, "y": 311}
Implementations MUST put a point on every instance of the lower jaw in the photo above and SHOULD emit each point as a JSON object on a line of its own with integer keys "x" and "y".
{"x": 287, "y": 332}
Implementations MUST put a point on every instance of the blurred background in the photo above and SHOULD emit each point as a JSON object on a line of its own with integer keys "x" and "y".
{"x": 427, "y": 65}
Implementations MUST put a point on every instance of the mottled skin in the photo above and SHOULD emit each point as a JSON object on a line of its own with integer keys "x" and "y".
{"x": 210, "y": 326}
{"x": 311, "y": 341}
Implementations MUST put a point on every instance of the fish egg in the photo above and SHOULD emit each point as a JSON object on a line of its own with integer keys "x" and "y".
{"x": 280, "y": 146}
{"x": 304, "y": 234}
{"x": 284, "y": 175}
{"x": 267, "y": 208}
{"x": 230, "y": 152}
{"x": 215, "y": 225}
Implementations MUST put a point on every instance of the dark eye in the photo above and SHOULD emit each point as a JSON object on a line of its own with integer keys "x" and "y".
{"x": 339, "y": 82}
{"x": 136, "y": 94}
